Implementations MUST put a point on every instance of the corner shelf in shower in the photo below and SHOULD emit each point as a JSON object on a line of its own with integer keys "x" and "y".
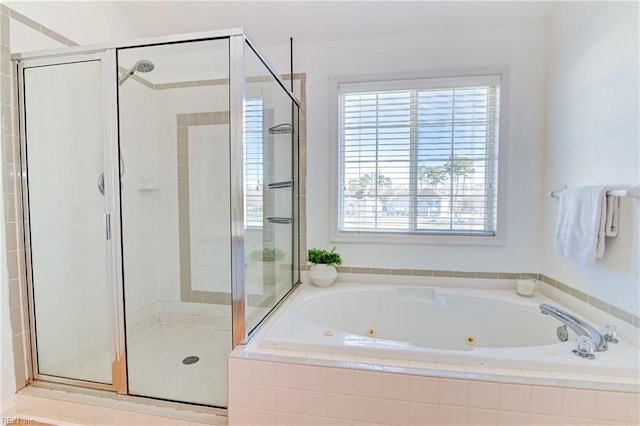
{"x": 281, "y": 129}
{"x": 283, "y": 184}
{"x": 280, "y": 220}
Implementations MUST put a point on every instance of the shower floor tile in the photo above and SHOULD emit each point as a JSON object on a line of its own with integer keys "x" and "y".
{"x": 156, "y": 370}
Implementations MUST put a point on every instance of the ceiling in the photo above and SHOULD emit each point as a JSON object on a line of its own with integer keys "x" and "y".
{"x": 273, "y": 22}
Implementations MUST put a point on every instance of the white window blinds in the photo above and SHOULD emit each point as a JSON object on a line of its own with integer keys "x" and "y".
{"x": 419, "y": 156}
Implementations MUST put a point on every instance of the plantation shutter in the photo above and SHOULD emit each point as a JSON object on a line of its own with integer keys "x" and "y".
{"x": 253, "y": 172}
{"x": 419, "y": 156}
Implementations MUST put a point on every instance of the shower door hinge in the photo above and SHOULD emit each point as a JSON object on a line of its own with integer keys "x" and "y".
{"x": 107, "y": 226}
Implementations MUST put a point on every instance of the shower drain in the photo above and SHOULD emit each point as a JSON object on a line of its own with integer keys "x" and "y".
{"x": 190, "y": 360}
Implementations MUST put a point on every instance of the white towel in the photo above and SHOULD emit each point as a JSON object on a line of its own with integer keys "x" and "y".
{"x": 611, "y": 225}
{"x": 586, "y": 214}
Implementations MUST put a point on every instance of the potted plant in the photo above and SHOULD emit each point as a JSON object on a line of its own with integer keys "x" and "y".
{"x": 323, "y": 271}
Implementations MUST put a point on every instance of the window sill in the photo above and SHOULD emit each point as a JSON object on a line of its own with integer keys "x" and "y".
{"x": 431, "y": 239}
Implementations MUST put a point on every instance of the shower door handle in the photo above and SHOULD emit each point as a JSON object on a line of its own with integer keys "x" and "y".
{"x": 107, "y": 226}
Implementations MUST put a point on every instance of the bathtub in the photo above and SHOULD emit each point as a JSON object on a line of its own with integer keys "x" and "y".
{"x": 480, "y": 328}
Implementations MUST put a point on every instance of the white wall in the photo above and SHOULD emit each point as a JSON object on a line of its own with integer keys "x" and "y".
{"x": 593, "y": 137}
{"x": 25, "y": 39}
{"x": 82, "y": 22}
{"x": 521, "y": 51}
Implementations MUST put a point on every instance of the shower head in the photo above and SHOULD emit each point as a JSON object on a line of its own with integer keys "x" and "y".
{"x": 142, "y": 65}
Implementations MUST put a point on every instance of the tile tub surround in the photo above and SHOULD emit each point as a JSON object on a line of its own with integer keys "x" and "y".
{"x": 278, "y": 390}
{"x": 327, "y": 388}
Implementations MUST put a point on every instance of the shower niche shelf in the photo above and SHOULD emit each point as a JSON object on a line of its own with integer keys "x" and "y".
{"x": 146, "y": 184}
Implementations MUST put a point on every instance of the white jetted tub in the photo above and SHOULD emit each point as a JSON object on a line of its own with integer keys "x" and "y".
{"x": 492, "y": 328}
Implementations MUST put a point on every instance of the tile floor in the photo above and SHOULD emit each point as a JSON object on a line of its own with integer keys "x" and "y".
{"x": 156, "y": 369}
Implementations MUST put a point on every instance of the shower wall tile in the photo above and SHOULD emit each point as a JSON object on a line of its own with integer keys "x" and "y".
{"x": 12, "y": 211}
{"x": 177, "y": 107}
{"x": 139, "y": 208}
{"x": 207, "y": 256}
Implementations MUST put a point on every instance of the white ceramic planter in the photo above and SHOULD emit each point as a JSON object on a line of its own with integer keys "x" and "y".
{"x": 323, "y": 275}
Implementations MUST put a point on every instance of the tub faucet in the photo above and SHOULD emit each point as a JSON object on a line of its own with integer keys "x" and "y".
{"x": 579, "y": 326}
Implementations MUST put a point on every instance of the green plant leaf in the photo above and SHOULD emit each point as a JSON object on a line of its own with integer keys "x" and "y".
{"x": 321, "y": 256}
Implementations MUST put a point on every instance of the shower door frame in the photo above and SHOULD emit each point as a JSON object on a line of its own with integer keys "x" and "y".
{"x": 112, "y": 222}
{"x": 107, "y": 54}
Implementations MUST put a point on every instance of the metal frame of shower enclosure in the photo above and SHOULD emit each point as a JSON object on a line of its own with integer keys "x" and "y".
{"x": 106, "y": 54}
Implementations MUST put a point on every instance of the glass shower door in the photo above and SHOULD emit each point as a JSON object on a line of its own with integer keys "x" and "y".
{"x": 64, "y": 154}
{"x": 174, "y": 140}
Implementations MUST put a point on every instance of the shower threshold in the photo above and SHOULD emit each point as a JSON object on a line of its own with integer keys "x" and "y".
{"x": 45, "y": 401}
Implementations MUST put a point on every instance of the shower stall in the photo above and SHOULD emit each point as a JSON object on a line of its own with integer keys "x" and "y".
{"x": 160, "y": 189}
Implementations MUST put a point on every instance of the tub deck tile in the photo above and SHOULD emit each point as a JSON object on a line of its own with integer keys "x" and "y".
{"x": 365, "y": 366}
{"x": 479, "y": 369}
{"x": 537, "y": 373}
{"x": 317, "y": 355}
{"x": 450, "y": 367}
{"x": 425, "y": 365}
{"x": 395, "y": 362}
{"x": 507, "y": 371}
{"x": 369, "y": 359}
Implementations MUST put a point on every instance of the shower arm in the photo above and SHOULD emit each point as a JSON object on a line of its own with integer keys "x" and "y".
{"x": 126, "y": 76}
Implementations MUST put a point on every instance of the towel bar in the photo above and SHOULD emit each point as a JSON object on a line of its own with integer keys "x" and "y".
{"x": 633, "y": 191}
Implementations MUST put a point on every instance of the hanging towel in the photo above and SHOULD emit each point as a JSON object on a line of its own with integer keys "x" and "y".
{"x": 611, "y": 225}
{"x": 586, "y": 214}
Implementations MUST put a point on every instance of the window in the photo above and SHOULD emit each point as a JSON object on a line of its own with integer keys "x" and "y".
{"x": 419, "y": 156}
{"x": 253, "y": 172}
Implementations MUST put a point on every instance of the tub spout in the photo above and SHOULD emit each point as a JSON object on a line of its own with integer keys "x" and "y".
{"x": 579, "y": 326}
